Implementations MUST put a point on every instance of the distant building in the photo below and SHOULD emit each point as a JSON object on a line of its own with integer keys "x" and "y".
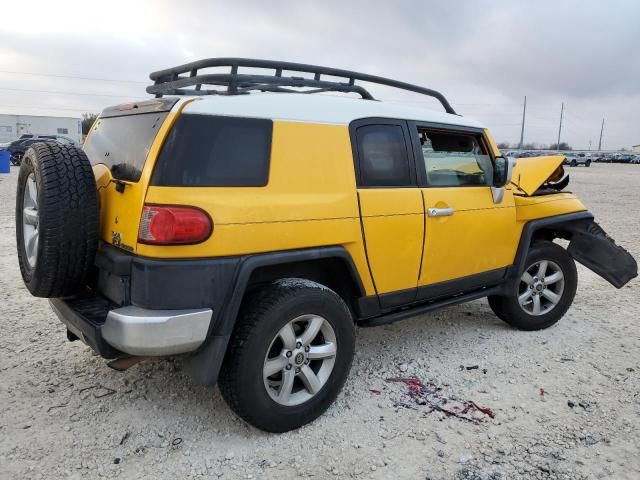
{"x": 635, "y": 148}
{"x": 13, "y": 127}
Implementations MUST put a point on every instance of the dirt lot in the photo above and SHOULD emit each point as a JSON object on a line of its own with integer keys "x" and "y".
{"x": 65, "y": 414}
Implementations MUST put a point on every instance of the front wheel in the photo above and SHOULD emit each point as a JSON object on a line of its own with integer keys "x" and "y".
{"x": 544, "y": 291}
{"x": 288, "y": 356}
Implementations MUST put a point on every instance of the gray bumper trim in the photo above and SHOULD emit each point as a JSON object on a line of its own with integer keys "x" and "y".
{"x": 139, "y": 331}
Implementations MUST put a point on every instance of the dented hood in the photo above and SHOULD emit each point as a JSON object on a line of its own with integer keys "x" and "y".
{"x": 531, "y": 173}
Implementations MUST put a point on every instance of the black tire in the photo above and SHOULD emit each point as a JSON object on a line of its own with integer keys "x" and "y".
{"x": 587, "y": 163}
{"x": 507, "y": 307}
{"x": 573, "y": 163}
{"x": 262, "y": 316}
{"x": 16, "y": 158}
{"x": 67, "y": 219}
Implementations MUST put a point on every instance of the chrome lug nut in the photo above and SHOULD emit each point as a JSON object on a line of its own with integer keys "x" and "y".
{"x": 297, "y": 369}
{"x": 288, "y": 367}
{"x": 298, "y": 344}
{"x": 307, "y": 348}
{"x": 289, "y": 353}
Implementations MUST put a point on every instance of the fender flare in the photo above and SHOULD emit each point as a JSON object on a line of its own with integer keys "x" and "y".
{"x": 250, "y": 263}
{"x": 535, "y": 225}
{"x": 204, "y": 364}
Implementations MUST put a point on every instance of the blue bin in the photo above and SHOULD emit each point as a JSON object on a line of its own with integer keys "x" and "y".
{"x": 5, "y": 156}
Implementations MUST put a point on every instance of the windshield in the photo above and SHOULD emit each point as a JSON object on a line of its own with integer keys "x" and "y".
{"x": 122, "y": 143}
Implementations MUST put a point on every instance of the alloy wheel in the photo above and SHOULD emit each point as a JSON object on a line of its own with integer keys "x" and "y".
{"x": 30, "y": 220}
{"x": 300, "y": 360}
{"x": 541, "y": 287}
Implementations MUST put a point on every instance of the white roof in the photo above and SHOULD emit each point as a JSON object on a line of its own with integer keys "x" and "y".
{"x": 316, "y": 108}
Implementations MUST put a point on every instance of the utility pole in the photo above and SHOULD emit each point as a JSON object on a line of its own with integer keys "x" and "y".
{"x": 560, "y": 127}
{"x": 524, "y": 113}
{"x": 600, "y": 142}
{"x": 589, "y": 145}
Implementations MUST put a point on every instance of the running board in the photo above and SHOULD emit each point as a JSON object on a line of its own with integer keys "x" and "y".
{"x": 428, "y": 307}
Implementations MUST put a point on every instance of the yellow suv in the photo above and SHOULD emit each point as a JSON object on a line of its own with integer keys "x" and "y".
{"x": 248, "y": 221}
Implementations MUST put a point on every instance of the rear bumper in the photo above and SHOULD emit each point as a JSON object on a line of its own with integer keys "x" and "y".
{"x": 133, "y": 330}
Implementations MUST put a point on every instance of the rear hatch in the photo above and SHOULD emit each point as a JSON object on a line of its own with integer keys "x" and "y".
{"x": 123, "y": 141}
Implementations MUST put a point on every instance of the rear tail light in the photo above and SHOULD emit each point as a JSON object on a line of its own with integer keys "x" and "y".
{"x": 173, "y": 225}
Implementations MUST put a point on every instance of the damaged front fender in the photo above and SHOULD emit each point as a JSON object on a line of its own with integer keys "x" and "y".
{"x": 593, "y": 248}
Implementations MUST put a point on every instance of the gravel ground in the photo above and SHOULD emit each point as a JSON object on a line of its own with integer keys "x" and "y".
{"x": 65, "y": 414}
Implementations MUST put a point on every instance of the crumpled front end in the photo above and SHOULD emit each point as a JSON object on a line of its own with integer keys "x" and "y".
{"x": 540, "y": 175}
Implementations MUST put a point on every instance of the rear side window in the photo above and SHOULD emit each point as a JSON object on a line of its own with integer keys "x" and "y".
{"x": 382, "y": 155}
{"x": 212, "y": 151}
{"x": 123, "y": 143}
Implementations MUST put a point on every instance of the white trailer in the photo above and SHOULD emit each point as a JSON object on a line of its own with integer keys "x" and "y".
{"x": 13, "y": 127}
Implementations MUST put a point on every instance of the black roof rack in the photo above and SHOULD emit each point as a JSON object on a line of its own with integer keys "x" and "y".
{"x": 172, "y": 81}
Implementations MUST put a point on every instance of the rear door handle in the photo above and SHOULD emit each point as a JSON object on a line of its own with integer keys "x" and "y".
{"x": 440, "y": 212}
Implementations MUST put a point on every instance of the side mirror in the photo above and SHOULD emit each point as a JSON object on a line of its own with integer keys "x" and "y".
{"x": 503, "y": 170}
{"x": 502, "y": 173}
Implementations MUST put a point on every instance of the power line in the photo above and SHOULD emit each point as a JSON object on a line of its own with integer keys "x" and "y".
{"x": 56, "y": 75}
{"x": 86, "y": 94}
{"x": 40, "y": 107}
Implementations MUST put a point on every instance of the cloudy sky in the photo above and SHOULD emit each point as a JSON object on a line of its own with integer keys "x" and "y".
{"x": 67, "y": 57}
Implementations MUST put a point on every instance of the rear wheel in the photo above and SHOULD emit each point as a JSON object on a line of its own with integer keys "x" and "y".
{"x": 289, "y": 355}
{"x": 587, "y": 163}
{"x": 543, "y": 293}
{"x": 573, "y": 163}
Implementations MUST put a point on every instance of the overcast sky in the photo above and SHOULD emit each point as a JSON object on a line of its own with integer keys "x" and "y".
{"x": 485, "y": 56}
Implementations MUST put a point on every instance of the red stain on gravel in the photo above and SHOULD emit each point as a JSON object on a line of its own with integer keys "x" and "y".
{"x": 431, "y": 396}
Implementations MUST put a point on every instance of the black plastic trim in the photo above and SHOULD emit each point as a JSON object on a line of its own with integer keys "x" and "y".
{"x": 440, "y": 290}
{"x": 247, "y": 264}
{"x": 531, "y": 227}
{"x": 421, "y": 308}
{"x": 75, "y": 317}
{"x": 459, "y": 285}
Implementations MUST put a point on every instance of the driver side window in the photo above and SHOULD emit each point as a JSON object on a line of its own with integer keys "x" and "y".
{"x": 454, "y": 159}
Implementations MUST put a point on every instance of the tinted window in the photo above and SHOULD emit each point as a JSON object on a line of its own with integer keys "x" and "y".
{"x": 453, "y": 159}
{"x": 382, "y": 154}
{"x": 208, "y": 151}
{"x": 123, "y": 143}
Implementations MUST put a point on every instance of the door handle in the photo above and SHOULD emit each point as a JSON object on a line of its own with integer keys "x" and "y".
{"x": 440, "y": 212}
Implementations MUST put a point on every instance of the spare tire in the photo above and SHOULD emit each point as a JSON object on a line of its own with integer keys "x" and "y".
{"x": 56, "y": 219}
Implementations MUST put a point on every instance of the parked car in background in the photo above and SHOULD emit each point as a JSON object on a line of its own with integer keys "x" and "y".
{"x": 17, "y": 148}
{"x": 575, "y": 159}
{"x": 624, "y": 158}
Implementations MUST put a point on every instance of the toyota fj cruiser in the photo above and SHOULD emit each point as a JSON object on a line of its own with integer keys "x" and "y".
{"x": 249, "y": 222}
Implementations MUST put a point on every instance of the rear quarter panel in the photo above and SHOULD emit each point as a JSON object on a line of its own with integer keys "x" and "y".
{"x": 309, "y": 201}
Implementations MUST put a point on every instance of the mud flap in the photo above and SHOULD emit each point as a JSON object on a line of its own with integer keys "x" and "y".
{"x": 593, "y": 248}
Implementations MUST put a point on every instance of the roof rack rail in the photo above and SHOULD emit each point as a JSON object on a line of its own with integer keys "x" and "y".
{"x": 172, "y": 81}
